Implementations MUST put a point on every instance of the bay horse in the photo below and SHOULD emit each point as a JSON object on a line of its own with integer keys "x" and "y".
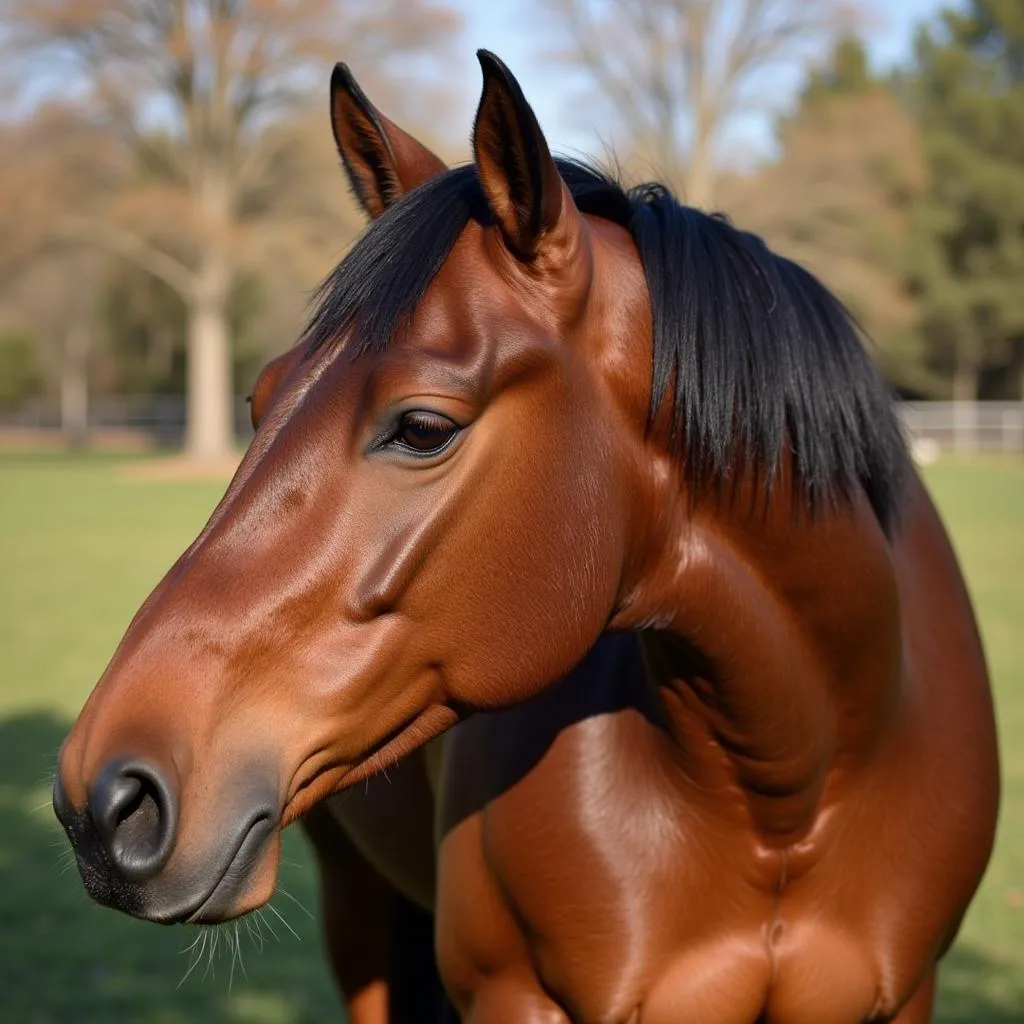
{"x": 587, "y": 519}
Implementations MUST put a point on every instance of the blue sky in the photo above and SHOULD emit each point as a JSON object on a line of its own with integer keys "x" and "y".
{"x": 519, "y": 39}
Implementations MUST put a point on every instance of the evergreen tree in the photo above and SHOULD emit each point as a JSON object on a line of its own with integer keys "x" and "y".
{"x": 967, "y": 258}
{"x": 845, "y": 74}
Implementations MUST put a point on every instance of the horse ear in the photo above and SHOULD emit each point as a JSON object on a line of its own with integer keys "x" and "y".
{"x": 268, "y": 383}
{"x": 382, "y": 161}
{"x": 524, "y": 190}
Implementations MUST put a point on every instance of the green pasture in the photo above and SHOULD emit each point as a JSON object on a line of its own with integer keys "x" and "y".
{"x": 82, "y": 542}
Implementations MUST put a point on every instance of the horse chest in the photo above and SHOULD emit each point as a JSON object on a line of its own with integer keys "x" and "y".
{"x": 583, "y": 879}
{"x": 586, "y": 891}
{"x": 637, "y": 930}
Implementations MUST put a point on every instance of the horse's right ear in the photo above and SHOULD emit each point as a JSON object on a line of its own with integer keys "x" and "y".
{"x": 382, "y": 161}
{"x": 525, "y": 192}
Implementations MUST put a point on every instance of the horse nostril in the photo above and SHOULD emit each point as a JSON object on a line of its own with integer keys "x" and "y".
{"x": 135, "y": 817}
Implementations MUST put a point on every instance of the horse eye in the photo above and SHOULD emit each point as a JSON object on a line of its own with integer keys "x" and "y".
{"x": 424, "y": 433}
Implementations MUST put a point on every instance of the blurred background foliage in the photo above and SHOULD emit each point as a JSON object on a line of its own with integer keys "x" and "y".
{"x": 168, "y": 184}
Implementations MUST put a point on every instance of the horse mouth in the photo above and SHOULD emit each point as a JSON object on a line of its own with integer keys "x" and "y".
{"x": 211, "y": 907}
{"x": 215, "y": 906}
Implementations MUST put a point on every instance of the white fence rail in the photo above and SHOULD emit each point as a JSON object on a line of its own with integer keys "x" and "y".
{"x": 965, "y": 426}
{"x": 933, "y": 426}
{"x": 159, "y": 419}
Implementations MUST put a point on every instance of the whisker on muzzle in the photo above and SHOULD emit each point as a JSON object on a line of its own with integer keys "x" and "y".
{"x": 200, "y": 942}
{"x": 284, "y": 892}
{"x": 281, "y": 918}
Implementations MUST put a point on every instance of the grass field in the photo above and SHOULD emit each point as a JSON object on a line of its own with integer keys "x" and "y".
{"x": 82, "y": 545}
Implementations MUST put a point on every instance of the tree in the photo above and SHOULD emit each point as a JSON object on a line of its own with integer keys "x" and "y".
{"x": 677, "y": 73}
{"x": 20, "y": 375}
{"x": 845, "y": 74}
{"x": 194, "y": 88}
{"x": 840, "y": 197}
{"x": 141, "y": 326}
{"x": 59, "y": 159}
{"x": 967, "y": 264}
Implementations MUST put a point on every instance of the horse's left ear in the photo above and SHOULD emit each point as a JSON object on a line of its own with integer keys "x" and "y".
{"x": 524, "y": 190}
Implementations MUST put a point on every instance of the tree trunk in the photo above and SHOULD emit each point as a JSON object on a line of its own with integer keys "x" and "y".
{"x": 965, "y": 394}
{"x": 74, "y": 387}
{"x": 209, "y": 433}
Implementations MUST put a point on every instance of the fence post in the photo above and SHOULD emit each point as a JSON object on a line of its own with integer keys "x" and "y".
{"x": 1013, "y": 429}
{"x": 965, "y": 427}
{"x": 74, "y": 386}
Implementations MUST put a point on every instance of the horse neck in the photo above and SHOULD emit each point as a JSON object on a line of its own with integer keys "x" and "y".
{"x": 774, "y": 641}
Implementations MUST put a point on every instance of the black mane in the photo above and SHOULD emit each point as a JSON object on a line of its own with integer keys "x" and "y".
{"x": 757, "y": 357}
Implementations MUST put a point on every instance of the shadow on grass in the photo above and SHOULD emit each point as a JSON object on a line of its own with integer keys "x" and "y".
{"x": 62, "y": 958}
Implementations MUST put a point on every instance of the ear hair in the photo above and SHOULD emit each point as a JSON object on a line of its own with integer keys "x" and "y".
{"x": 382, "y": 161}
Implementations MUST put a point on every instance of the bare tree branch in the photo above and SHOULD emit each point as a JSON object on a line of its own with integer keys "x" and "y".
{"x": 120, "y": 242}
{"x": 676, "y": 72}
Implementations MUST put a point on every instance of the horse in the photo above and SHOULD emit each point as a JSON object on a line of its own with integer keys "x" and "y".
{"x": 579, "y": 530}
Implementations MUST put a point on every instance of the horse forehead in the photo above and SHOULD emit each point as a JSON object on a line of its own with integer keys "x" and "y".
{"x": 472, "y": 287}
{"x": 477, "y": 309}
{"x": 484, "y": 312}
{"x": 482, "y": 284}
{"x": 482, "y": 280}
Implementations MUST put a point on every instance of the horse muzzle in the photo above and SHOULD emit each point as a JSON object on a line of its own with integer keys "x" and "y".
{"x": 125, "y": 835}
